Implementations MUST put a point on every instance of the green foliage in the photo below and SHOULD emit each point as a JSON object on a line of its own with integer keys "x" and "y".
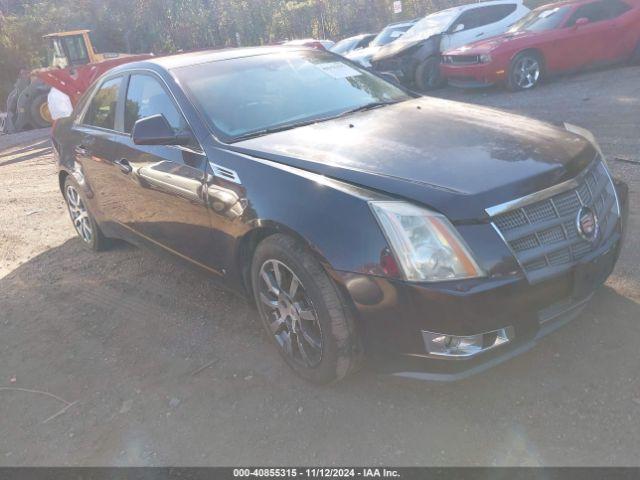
{"x": 166, "y": 26}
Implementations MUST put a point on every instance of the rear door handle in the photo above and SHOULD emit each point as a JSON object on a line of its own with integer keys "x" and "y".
{"x": 124, "y": 165}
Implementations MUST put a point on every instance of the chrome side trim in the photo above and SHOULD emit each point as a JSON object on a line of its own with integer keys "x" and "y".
{"x": 533, "y": 198}
{"x": 572, "y": 184}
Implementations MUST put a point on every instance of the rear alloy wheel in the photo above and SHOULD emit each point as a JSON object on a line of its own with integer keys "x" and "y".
{"x": 86, "y": 227}
{"x": 525, "y": 72}
{"x": 303, "y": 312}
{"x": 428, "y": 76}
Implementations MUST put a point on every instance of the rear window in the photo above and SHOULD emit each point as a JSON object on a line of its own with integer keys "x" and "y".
{"x": 102, "y": 108}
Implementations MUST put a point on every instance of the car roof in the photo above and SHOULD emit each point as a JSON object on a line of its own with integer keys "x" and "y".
{"x": 169, "y": 62}
{"x": 469, "y": 6}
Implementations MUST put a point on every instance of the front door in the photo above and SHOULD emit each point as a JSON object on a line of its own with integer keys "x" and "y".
{"x": 162, "y": 188}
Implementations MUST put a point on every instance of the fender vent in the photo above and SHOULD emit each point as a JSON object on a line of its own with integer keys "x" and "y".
{"x": 226, "y": 173}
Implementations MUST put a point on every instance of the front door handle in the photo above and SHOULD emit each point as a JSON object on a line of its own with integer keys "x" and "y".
{"x": 124, "y": 165}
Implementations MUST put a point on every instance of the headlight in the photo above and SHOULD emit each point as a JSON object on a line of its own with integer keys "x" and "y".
{"x": 486, "y": 58}
{"x": 425, "y": 243}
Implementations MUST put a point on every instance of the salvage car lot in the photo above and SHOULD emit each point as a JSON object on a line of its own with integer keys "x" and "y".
{"x": 153, "y": 364}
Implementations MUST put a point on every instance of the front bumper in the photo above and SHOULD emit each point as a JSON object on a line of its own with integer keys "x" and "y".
{"x": 473, "y": 76}
{"x": 393, "y": 314}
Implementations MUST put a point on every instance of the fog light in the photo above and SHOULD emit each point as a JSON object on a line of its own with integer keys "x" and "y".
{"x": 463, "y": 347}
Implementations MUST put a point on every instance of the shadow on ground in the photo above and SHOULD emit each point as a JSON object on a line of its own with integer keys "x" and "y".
{"x": 166, "y": 368}
{"x": 24, "y": 154}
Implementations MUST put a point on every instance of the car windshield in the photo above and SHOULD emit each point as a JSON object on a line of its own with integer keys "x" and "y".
{"x": 431, "y": 25}
{"x": 345, "y": 45}
{"x": 389, "y": 34}
{"x": 541, "y": 20}
{"x": 255, "y": 95}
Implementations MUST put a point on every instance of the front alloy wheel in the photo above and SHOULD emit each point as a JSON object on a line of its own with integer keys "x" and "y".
{"x": 525, "y": 72}
{"x": 292, "y": 319}
{"x": 303, "y": 311}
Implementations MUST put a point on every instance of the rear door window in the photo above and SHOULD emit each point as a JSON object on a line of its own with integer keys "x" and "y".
{"x": 101, "y": 111}
{"x": 594, "y": 12}
{"x": 617, "y": 8}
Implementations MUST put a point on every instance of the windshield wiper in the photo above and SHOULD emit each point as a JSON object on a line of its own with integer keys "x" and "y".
{"x": 368, "y": 106}
{"x": 279, "y": 128}
{"x": 289, "y": 126}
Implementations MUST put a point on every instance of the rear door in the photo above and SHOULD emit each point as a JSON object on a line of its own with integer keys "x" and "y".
{"x": 477, "y": 24}
{"x": 161, "y": 196}
{"x": 95, "y": 134}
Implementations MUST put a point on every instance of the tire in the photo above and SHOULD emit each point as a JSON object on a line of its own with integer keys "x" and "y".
{"x": 525, "y": 71}
{"x": 39, "y": 111}
{"x": 323, "y": 345}
{"x": 428, "y": 76}
{"x": 87, "y": 229}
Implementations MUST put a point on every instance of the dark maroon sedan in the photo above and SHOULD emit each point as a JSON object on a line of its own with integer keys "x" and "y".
{"x": 435, "y": 238}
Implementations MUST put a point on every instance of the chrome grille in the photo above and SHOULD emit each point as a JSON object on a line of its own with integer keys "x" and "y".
{"x": 543, "y": 234}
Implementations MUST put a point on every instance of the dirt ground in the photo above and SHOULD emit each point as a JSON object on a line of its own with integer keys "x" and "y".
{"x": 120, "y": 359}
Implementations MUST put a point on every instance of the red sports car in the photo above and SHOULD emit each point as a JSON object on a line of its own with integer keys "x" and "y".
{"x": 561, "y": 37}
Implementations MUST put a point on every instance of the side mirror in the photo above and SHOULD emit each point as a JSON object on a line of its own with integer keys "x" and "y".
{"x": 581, "y": 22}
{"x": 460, "y": 27}
{"x": 155, "y": 130}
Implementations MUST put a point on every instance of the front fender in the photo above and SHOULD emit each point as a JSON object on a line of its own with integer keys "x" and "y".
{"x": 331, "y": 217}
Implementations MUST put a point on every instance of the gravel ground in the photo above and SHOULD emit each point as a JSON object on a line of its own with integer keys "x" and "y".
{"x": 120, "y": 359}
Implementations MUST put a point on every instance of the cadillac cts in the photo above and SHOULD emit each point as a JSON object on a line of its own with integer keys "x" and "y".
{"x": 433, "y": 238}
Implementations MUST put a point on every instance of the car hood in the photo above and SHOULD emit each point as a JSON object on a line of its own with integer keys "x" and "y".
{"x": 491, "y": 44}
{"x": 456, "y": 158}
{"x": 400, "y": 45}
